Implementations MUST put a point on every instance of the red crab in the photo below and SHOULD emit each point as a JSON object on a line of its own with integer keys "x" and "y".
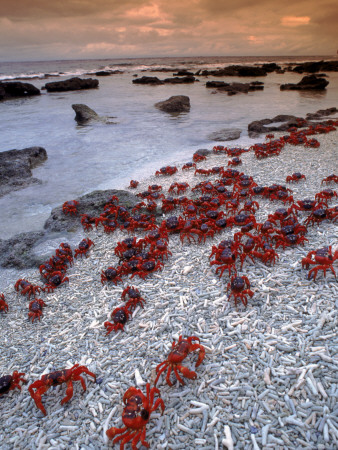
{"x": 35, "y": 309}
{"x": 317, "y": 216}
{"x": 56, "y": 378}
{"x": 235, "y": 162}
{"x": 135, "y": 416}
{"x": 111, "y": 274}
{"x": 289, "y": 240}
{"x": 225, "y": 260}
{"x": 297, "y": 176}
{"x": 178, "y": 353}
{"x": 3, "y": 304}
{"x": 133, "y": 297}
{"x": 70, "y": 207}
{"x": 87, "y": 222}
{"x": 83, "y": 248}
{"x": 323, "y": 257}
{"x": 133, "y": 184}
{"x": 26, "y": 287}
{"x": 307, "y": 205}
{"x": 198, "y": 158}
{"x": 240, "y": 288}
{"x": 327, "y": 194}
{"x": 120, "y": 317}
{"x": 160, "y": 249}
{"x": 167, "y": 170}
{"x": 189, "y": 165}
{"x": 241, "y": 220}
{"x": 177, "y": 188}
{"x": 330, "y": 179}
{"x": 55, "y": 280}
{"x": 146, "y": 267}
{"x": 127, "y": 244}
{"x": 10, "y": 382}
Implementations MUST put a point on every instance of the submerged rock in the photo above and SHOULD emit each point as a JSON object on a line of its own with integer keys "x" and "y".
{"x": 72, "y": 84}
{"x": 227, "y": 134}
{"x": 16, "y": 89}
{"x": 16, "y": 168}
{"x": 175, "y": 104}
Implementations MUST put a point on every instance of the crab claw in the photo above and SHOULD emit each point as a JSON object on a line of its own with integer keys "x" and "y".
{"x": 187, "y": 373}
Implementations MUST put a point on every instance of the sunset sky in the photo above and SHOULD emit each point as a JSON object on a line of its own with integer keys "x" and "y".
{"x": 79, "y": 29}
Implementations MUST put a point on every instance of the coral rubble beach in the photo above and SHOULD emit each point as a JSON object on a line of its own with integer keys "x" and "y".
{"x": 269, "y": 377}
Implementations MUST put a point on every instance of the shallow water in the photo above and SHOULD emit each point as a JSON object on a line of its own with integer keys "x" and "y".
{"x": 141, "y": 139}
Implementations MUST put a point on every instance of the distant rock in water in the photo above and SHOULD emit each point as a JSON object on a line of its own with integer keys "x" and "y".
{"x": 84, "y": 113}
{"x": 235, "y": 88}
{"x": 15, "y": 168}
{"x": 310, "y": 82}
{"x": 72, "y": 84}
{"x": 227, "y": 134}
{"x": 180, "y": 80}
{"x": 148, "y": 80}
{"x": 175, "y": 104}
{"x": 316, "y": 66}
{"x": 16, "y": 89}
{"x": 237, "y": 71}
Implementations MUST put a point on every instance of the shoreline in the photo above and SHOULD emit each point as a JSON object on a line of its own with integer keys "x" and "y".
{"x": 264, "y": 364}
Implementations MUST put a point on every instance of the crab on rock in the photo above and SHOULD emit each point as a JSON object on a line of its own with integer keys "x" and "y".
{"x": 135, "y": 416}
{"x": 10, "y": 382}
{"x": 178, "y": 353}
{"x": 240, "y": 288}
{"x": 70, "y": 207}
{"x": 56, "y": 378}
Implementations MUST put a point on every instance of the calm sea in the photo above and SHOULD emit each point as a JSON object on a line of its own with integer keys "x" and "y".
{"x": 142, "y": 139}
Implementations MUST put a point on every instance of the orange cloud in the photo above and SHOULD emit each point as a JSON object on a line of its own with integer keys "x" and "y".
{"x": 293, "y": 21}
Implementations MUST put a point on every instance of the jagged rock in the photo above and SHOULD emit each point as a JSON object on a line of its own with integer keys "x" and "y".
{"x": 321, "y": 113}
{"x": 260, "y": 126}
{"x": 15, "y": 89}
{"x": 15, "y": 168}
{"x": 308, "y": 82}
{"x": 203, "y": 152}
{"x": 236, "y": 71}
{"x": 148, "y": 80}
{"x": 16, "y": 252}
{"x": 183, "y": 73}
{"x": 84, "y": 113}
{"x": 91, "y": 204}
{"x": 72, "y": 84}
{"x": 106, "y": 73}
{"x": 175, "y": 104}
{"x": 227, "y": 134}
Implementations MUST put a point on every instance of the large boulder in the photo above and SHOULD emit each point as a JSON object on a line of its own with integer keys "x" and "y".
{"x": 15, "y": 89}
{"x": 310, "y": 82}
{"x": 91, "y": 204}
{"x": 227, "y": 134}
{"x": 17, "y": 252}
{"x": 72, "y": 84}
{"x": 175, "y": 104}
{"x": 16, "y": 168}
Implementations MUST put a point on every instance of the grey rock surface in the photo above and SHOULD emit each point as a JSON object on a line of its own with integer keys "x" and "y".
{"x": 227, "y": 134}
{"x": 72, "y": 84}
{"x": 175, "y": 104}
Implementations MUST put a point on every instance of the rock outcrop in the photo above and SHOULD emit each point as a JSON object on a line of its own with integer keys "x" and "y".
{"x": 148, "y": 80}
{"x": 175, "y": 104}
{"x": 316, "y": 66}
{"x": 180, "y": 80}
{"x": 72, "y": 84}
{"x": 84, "y": 113}
{"x": 16, "y": 168}
{"x": 309, "y": 82}
{"x": 16, "y": 89}
{"x": 91, "y": 204}
{"x": 235, "y": 88}
{"x": 237, "y": 71}
{"x": 17, "y": 252}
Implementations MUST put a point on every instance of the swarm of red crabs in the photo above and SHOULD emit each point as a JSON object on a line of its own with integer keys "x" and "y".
{"x": 228, "y": 202}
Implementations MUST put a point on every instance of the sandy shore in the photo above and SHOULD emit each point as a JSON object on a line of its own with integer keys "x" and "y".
{"x": 269, "y": 377}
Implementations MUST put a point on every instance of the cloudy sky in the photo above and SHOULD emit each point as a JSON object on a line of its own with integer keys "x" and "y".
{"x": 76, "y": 29}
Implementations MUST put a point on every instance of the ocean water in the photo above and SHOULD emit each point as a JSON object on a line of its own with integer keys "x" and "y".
{"x": 141, "y": 138}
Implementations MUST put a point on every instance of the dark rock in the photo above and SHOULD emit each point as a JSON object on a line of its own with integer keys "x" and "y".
{"x": 16, "y": 252}
{"x": 317, "y": 66}
{"x": 84, "y": 113}
{"x": 72, "y": 84}
{"x": 106, "y": 73}
{"x": 183, "y": 73}
{"x": 227, "y": 134}
{"x": 91, "y": 204}
{"x": 235, "y": 88}
{"x": 260, "y": 126}
{"x": 15, "y": 168}
{"x": 175, "y": 104}
{"x": 180, "y": 80}
{"x": 308, "y": 82}
{"x": 271, "y": 67}
{"x": 148, "y": 80}
{"x": 237, "y": 71}
{"x": 16, "y": 89}
{"x": 321, "y": 113}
